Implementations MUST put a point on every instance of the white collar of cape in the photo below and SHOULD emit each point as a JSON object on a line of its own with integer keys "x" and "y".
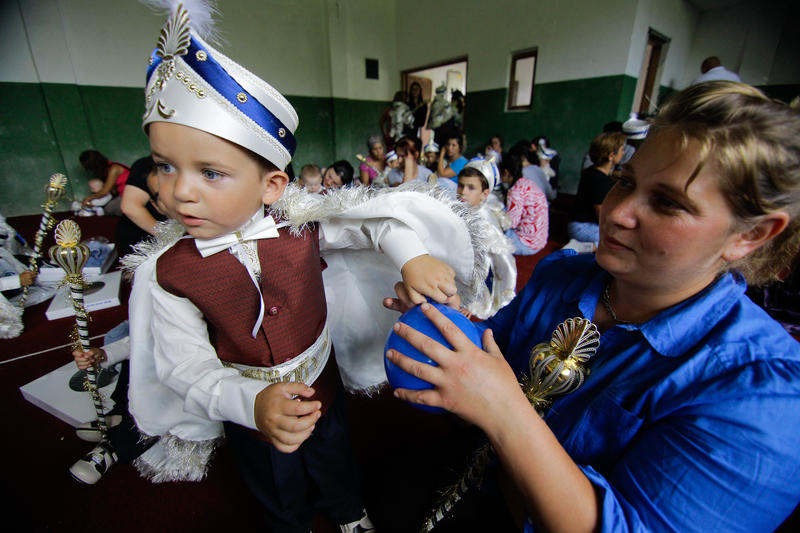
{"x": 300, "y": 210}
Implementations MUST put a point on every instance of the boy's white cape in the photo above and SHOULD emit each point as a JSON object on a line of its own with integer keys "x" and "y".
{"x": 356, "y": 281}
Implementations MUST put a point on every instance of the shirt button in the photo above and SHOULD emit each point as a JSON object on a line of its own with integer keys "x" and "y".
{"x": 273, "y": 310}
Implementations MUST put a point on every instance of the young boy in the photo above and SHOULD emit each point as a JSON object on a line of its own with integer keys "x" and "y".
{"x": 229, "y": 325}
{"x": 431, "y": 156}
{"x": 475, "y": 183}
{"x": 311, "y": 178}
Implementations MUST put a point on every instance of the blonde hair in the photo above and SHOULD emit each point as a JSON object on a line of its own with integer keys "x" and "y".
{"x": 754, "y": 143}
{"x": 605, "y": 145}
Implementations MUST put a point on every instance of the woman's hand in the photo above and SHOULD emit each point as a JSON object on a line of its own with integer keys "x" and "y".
{"x": 477, "y": 385}
{"x": 88, "y": 200}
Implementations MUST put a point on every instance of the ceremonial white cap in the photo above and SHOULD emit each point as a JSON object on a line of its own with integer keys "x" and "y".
{"x": 391, "y": 155}
{"x": 192, "y": 84}
{"x": 635, "y": 128}
{"x": 487, "y": 167}
{"x": 431, "y": 147}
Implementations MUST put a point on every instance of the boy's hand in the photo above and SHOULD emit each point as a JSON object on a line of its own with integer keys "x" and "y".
{"x": 424, "y": 276}
{"x": 92, "y": 356}
{"x": 286, "y": 420}
{"x": 27, "y": 278}
{"x": 403, "y": 302}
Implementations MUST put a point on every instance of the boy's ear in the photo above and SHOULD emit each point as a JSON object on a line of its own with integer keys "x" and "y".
{"x": 747, "y": 241}
{"x": 275, "y": 182}
{"x": 485, "y": 194}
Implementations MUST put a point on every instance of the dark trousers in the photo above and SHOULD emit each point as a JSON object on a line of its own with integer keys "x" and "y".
{"x": 125, "y": 437}
{"x": 320, "y": 476}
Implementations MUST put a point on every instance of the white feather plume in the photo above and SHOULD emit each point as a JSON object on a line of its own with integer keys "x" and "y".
{"x": 202, "y": 15}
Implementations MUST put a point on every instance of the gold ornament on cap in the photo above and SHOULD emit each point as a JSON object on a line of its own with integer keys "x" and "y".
{"x": 174, "y": 40}
{"x": 556, "y": 369}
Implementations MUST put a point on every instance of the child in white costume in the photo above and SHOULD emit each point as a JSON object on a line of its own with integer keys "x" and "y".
{"x": 230, "y": 328}
{"x": 475, "y": 182}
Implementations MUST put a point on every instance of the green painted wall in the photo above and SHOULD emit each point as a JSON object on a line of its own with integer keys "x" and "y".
{"x": 570, "y": 113}
{"x": 46, "y": 126}
{"x": 50, "y": 124}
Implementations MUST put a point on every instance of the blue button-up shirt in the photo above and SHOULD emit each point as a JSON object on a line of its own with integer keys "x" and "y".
{"x": 687, "y": 422}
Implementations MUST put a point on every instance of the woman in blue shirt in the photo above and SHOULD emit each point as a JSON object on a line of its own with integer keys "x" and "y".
{"x": 689, "y": 418}
{"x": 455, "y": 160}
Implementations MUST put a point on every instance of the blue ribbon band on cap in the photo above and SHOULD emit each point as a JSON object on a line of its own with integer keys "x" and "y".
{"x": 217, "y": 77}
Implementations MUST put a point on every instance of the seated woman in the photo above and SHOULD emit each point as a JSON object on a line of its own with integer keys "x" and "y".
{"x": 531, "y": 169}
{"x": 339, "y": 174}
{"x": 690, "y": 415}
{"x": 606, "y": 151}
{"x": 374, "y": 163}
{"x": 453, "y": 148}
{"x": 140, "y": 211}
{"x": 527, "y": 209}
{"x": 408, "y": 169}
{"x": 113, "y": 175}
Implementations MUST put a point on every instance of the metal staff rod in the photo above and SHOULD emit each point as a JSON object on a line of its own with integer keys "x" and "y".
{"x": 54, "y": 192}
{"x": 556, "y": 369}
{"x": 71, "y": 255}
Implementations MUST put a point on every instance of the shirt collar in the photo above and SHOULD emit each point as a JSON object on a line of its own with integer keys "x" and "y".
{"x": 673, "y": 331}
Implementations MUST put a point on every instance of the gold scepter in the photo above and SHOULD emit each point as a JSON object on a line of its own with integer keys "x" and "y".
{"x": 71, "y": 255}
{"x": 556, "y": 369}
{"x": 54, "y": 192}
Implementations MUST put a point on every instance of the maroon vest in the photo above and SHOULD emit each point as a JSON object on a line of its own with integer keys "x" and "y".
{"x": 220, "y": 287}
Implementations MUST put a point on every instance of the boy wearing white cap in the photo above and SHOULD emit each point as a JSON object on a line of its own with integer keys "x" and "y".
{"x": 431, "y": 156}
{"x": 229, "y": 329}
{"x": 476, "y": 181}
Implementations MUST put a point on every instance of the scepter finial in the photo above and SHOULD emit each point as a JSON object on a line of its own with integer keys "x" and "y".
{"x": 55, "y": 188}
{"x": 68, "y": 252}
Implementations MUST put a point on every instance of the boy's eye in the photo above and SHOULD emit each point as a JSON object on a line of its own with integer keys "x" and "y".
{"x": 165, "y": 168}
{"x": 211, "y": 175}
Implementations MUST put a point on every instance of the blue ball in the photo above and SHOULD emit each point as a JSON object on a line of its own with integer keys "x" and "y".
{"x": 399, "y": 378}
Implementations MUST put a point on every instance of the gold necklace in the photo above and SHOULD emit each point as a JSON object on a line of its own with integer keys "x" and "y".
{"x": 607, "y": 304}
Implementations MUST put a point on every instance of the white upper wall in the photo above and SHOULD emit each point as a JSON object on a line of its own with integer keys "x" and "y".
{"x": 361, "y": 29}
{"x": 576, "y": 38}
{"x": 675, "y": 19}
{"x": 317, "y": 47}
{"x": 16, "y": 63}
{"x": 746, "y": 38}
{"x": 306, "y": 48}
{"x": 92, "y": 42}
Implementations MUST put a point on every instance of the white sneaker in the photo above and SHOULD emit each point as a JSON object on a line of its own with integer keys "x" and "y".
{"x": 94, "y": 464}
{"x": 362, "y": 525}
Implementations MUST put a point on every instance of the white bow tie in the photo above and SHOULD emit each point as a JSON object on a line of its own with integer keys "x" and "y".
{"x": 262, "y": 229}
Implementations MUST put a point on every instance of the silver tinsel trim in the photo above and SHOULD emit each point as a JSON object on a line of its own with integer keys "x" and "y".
{"x": 10, "y": 319}
{"x": 167, "y": 232}
{"x": 301, "y": 209}
{"x": 177, "y": 459}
